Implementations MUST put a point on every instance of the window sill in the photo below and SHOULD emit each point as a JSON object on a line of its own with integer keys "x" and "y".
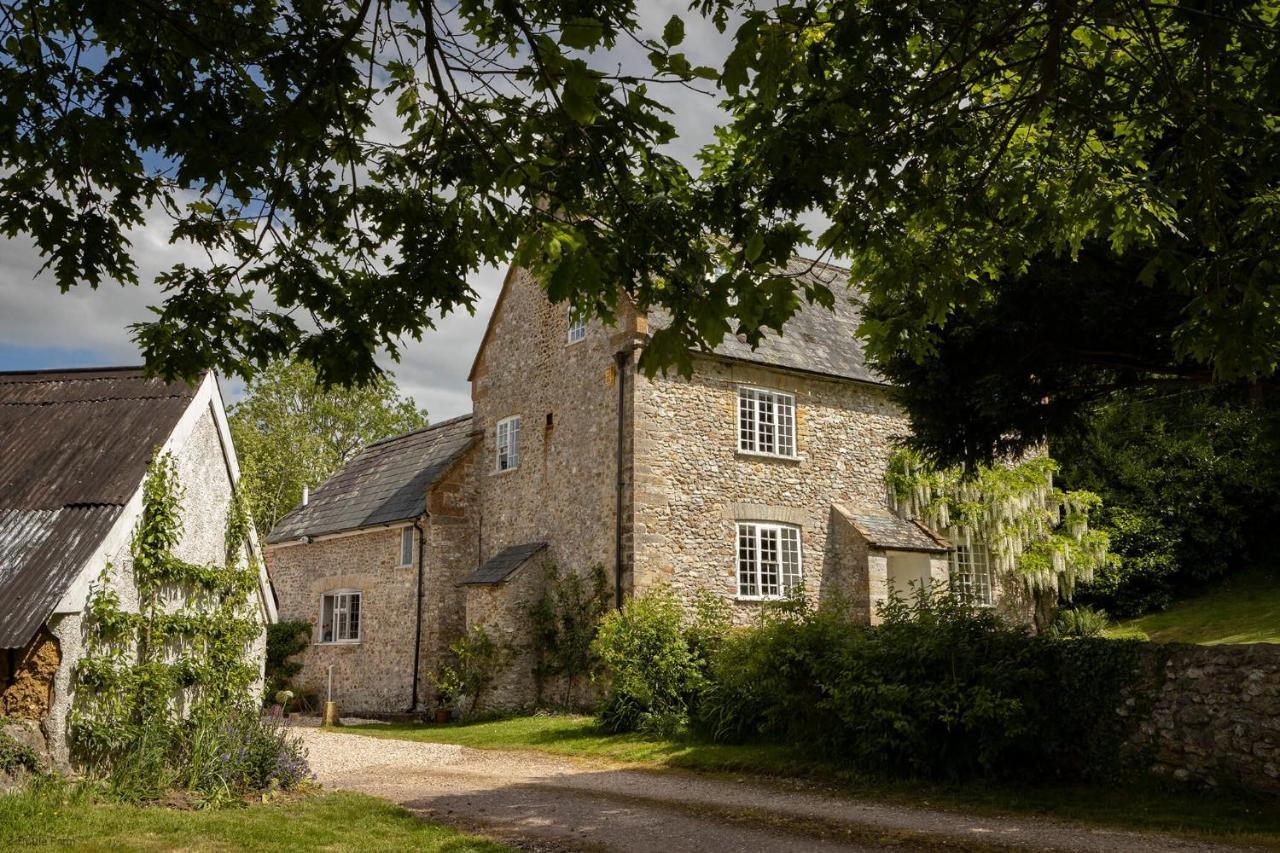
{"x": 756, "y": 599}
{"x": 337, "y": 643}
{"x": 499, "y": 472}
{"x": 777, "y": 457}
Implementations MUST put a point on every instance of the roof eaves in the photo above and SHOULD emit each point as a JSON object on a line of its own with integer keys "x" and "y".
{"x": 786, "y": 368}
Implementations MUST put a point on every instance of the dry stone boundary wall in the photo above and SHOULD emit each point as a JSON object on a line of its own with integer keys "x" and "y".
{"x": 1210, "y": 715}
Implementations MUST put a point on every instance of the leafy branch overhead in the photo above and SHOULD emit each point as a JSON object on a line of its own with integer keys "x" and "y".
{"x": 347, "y": 166}
{"x": 344, "y": 167}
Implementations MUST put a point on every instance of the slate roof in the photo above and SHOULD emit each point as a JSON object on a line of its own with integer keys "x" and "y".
{"x": 882, "y": 529}
{"x": 74, "y": 445}
{"x": 386, "y": 483}
{"x": 815, "y": 339}
{"x": 503, "y": 564}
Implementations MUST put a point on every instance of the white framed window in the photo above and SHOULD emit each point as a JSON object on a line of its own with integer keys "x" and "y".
{"x": 577, "y": 325}
{"x": 768, "y": 560}
{"x": 340, "y": 616}
{"x": 971, "y": 576}
{"x": 406, "y": 547}
{"x": 508, "y": 443}
{"x": 766, "y": 422}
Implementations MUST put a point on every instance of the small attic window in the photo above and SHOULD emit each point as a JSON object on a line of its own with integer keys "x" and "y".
{"x": 577, "y": 326}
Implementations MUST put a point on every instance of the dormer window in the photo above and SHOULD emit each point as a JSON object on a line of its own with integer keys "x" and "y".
{"x": 577, "y": 325}
{"x": 766, "y": 422}
{"x": 508, "y": 443}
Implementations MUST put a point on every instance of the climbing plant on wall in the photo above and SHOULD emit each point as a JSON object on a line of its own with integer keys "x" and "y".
{"x": 182, "y": 653}
{"x": 1031, "y": 528}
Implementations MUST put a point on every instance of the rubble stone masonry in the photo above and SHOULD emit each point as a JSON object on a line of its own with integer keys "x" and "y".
{"x": 375, "y": 675}
{"x": 1210, "y": 715}
{"x": 692, "y": 484}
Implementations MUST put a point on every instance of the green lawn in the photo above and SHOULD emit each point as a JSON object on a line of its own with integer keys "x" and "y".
{"x": 1240, "y": 610}
{"x": 1131, "y": 806}
{"x": 63, "y": 819}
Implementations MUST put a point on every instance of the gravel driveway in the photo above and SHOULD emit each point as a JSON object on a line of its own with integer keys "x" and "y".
{"x": 540, "y": 802}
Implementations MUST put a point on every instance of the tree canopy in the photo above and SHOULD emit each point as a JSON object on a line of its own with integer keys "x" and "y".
{"x": 291, "y": 432}
{"x": 1114, "y": 157}
{"x": 950, "y": 147}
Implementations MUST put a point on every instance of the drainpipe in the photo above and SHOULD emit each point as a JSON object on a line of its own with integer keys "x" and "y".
{"x": 417, "y": 617}
{"x": 621, "y": 357}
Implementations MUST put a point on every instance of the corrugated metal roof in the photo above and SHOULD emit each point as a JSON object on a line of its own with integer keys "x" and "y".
{"x": 74, "y": 445}
{"x": 386, "y": 483}
{"x": 503, "y": 564}
{"x": 815, "y": 339}
{"x": 882, "y": 529}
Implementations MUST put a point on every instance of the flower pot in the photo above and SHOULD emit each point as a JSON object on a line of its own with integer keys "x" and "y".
{"x": 443, "y": 715}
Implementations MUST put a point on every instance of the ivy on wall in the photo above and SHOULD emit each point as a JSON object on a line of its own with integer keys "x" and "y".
{"x": 1030, "y": 527}
{"x": 184, "y": 651}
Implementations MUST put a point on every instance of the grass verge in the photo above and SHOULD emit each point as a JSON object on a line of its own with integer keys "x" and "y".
{"x": 1243, "y": 609}
{"x": 64, "y": 817}
{"x": 1131, "y": 806}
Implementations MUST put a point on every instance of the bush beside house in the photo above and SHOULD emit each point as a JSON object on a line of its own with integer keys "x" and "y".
{"x": 940, "y": 690}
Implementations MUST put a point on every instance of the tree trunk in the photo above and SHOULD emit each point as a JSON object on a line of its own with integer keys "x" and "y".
{"x": 1045, "y": 610}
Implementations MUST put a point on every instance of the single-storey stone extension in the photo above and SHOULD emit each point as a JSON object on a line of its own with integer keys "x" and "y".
{"x": 760, "y": 473}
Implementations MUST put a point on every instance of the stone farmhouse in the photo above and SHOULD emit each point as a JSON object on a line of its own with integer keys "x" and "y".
{"x": 761, "y": 472}
{"x": 74, "y": 450}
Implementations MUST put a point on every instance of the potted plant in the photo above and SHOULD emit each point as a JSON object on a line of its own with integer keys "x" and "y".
{"x": 448, "y": 685}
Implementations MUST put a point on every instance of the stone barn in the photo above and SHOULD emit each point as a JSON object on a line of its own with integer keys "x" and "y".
{"x": 74, "y": 449}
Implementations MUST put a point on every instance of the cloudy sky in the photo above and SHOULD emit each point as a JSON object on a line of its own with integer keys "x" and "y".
{"x": 42, "y": 328}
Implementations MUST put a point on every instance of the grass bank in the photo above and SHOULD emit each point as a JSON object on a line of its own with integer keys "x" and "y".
{"x": 1131, "y": 806}
{"x": 1244, "y": 609}
{"x": 52, "y": 818}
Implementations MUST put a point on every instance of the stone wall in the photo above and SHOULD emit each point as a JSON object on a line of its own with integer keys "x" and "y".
{"x": 1210, "y": 715}
{"x": 375, "y": 676}
{"x": 452, "y": 553}
{"x": 691, "y": 481}
{"x": 502, "y": 610}
{"x": 563, "y": 492}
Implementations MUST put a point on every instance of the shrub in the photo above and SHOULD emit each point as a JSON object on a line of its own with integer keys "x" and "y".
{"x": 284, "y": 640}
{"x": 937, "y": 690}
{"x": 477, "y": 662}
{"x": 217, "y": 756}
{"x": 564, "y": 622}
{"x": 1081, "y": 621}
{"x": 653, "y": 675}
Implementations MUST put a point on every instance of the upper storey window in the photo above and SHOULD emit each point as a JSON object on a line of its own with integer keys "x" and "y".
{"x": 577, "y": 326}
{"x": 508, "y": 443}
{"x": 766, "y": 422}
